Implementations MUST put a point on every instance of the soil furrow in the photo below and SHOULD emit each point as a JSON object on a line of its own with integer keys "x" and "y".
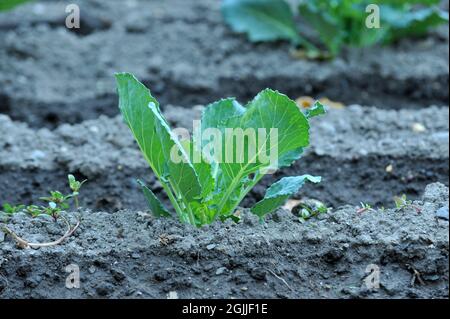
{"x": 67, "y": 78}
{"x": 356, "y": 151}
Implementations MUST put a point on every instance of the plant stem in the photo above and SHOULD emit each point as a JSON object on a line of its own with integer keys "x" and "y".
{"x": 75, "y": 199}
{"x": 190, "y": 214}
{"x": 255, "y": 181}
{"x": 173, "y": 200}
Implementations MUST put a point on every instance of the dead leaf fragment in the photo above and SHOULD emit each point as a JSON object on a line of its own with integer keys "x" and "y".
{"x": 305, "y": 102}
{"x": 290, "y": 204}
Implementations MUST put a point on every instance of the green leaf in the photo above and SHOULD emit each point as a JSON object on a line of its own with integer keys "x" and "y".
{"x": 412, "y": 23}
{"x": 262, "y": 20}
{"x": 153, "y": 202}
{"x": 9, "y": 4}
{"x": 340, "y": 23}
{"x": 237, "y": 146}
{"x": 269, "y": 110}
{"x": 279, "y": 192}
{"x": 155, "y": 139}
{"x": 316, "y": 110}
{"x": 329, "y": 27}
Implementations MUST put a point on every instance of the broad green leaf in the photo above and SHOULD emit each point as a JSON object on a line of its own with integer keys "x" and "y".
{"x": 203, "y": 170}
{"x": 329, "y": 27}
{"x": 269, "y": 110}
{"x": 155, "y": 139}
{"x": 414, "y": 23}
{"x": 153, "y": 202}
{"x": 340, "y": 23}
{"x": 262, "y": 20}
{"x": 269, "y": 133}
{"x": 316, "y": 110}
{"x": 9, "y": 4}
{"x": 279, "y": 192}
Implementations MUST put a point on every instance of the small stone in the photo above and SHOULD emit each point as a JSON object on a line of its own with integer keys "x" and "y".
{"x": 92, "y": 269}
{"x": 211, "y": 246}
{"x": 221, "y": 270}
{"x": 172, "y": 295}
{"x": 135, "y": 256}
{"x": 94, "y": 129}
{"x": 2, "y": 237}
{"x": 37, "y": 155}
{"x": 442, "y": 213}
{"x": 418, "y": 128}
{"x": 389, "y": 168}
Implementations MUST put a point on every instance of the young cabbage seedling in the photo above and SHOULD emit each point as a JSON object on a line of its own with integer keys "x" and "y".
{"x": 356, "y": 23}
{"x": 207, "y": 176}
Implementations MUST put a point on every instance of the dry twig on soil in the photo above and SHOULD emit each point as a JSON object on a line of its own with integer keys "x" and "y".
{"x": 22, "y": 243}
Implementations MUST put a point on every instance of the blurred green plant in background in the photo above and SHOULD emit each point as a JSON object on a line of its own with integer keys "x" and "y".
{"x": 9, "y": 4}
{"x": 337, "y": 23}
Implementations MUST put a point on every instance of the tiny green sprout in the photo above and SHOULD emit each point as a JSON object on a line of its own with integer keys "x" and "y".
{"x": 58, "y": 198}
{"x": 402, "y": 202}
{"x": 75, "y": 187}
{"x": 52, "y": 210}
{"x": 74, "y": 184}
{"x": 364, "y": 207}
{"x": 204, "y": 187}
{"x": 34, "y": 210}
{"x": 57, "y": 202}
{"x": 309, "y": 211}
{"x": 12, "y": 209}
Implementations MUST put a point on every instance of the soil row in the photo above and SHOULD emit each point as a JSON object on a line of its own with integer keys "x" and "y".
{"x": 363, "y": 154}
{"x": 184, "y": 52}
{"x": 130, "y": 254}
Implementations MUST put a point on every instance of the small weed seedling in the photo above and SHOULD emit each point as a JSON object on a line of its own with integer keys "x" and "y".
{"x": 11, "y": 209}
{"x": 402, "y": 202}
{"x": 310, "y": 211}
{"x": 57, "y": 203}
{"x": 337, "y": 23}
{"x": 364, "y": 207}
{"x": 207, "y": 176}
